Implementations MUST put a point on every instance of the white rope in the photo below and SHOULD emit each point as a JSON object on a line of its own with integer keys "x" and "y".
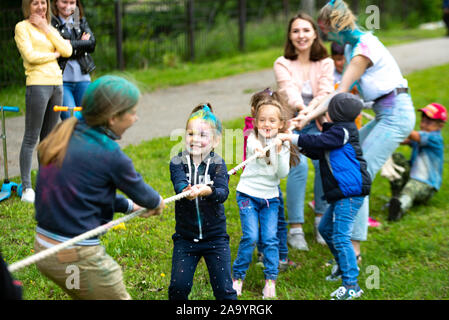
{"x": 253, "y": 157}
{"x": 104, "y": 228}
{"x": 87, "y": 235}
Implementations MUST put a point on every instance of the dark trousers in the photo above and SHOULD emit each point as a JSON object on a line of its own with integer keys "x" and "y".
{"x": 446, "y": 20}
{"x": 187, "y": 254}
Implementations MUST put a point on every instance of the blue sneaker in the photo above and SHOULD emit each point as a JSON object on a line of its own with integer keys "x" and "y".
{"x": 347, "y": 293}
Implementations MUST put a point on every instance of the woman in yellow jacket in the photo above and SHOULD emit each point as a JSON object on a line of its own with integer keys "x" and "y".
{"x": 40, "y": 45}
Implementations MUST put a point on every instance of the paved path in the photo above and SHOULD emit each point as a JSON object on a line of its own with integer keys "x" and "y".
{"x": 164, "y": 110}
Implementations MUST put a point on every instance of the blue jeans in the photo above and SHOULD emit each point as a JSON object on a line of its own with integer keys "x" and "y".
{"x": 73, "y": 96}
{"x": 395, "y": 119}
{"x": 297, "y": 181}
{"x": 282, "y": 231}
{"x": 255, "y": 211}
{"x": 187, "y": 254}
{"x": 336, "y": 229}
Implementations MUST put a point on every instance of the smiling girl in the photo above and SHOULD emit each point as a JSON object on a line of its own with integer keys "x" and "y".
{"x": 258, "y": 194}
{"x": 68, "y": 17}
{"x": 200, "y": 217}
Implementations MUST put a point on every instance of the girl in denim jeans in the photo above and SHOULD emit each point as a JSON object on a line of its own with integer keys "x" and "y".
{"x": 258, "y": 194}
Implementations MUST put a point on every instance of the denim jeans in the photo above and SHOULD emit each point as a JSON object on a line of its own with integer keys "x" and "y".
{"x": 297, "y": 181}
{"x": 395, "y": 119}
{"x": 185, "y": 258}
{"x": 73, "y": 96}
{"x": 282, "y": 231}
{"x": 336, "y": 228}
{"x": 255, "y": 211}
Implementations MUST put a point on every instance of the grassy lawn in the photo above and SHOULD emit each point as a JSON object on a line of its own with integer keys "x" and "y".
{"x": 158, "y": 77}
{"x": 410, "y": 257}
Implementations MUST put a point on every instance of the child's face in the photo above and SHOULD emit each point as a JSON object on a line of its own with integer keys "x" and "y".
{"x": 268, "y": 121}
{"x": 339, "y": 61}
{"x": 119, "y": 124}
{"x": 200, "y": 137}
{"x": 430, "y": 125}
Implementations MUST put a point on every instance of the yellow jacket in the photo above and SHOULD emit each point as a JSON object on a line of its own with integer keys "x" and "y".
{"x": 37, "y": 51}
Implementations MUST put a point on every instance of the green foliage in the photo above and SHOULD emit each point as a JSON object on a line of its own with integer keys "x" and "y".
{"x": 411, "y": 255}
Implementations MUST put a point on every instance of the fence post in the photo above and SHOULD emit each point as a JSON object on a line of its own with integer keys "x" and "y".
{"x": 309, "y": 7}
{"x": 190, "y": 29}
{"x": 286, "y": 6}
{"x": 242, "y": 24}
{"x": 119, "y": 35}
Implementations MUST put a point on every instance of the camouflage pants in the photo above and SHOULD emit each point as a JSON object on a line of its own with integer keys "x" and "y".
{"x": 84, "y": 272}
{"x": 417, "y": 191}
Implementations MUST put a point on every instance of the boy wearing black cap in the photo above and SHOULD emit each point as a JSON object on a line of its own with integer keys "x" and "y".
{"x": 346, "y": 182}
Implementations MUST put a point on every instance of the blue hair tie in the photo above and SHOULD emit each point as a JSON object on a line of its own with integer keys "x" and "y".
{"x": 332, "y": 3}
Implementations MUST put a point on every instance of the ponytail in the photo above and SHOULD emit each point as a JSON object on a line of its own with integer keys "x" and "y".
{"x": 54, "y": 147}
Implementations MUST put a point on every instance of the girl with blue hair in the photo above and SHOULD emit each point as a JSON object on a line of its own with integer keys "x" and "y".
{"x": 81, "y": 168}
{"x": 379, "y": 79}
{"x": 200, "y": 217}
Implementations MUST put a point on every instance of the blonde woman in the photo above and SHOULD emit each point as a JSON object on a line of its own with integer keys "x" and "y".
{"x": 378, "y": 79}
{"x": 40, "y": 45}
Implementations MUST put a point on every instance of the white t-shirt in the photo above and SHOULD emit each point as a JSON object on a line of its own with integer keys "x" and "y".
{"x": 260, "y": 179}
{"x": 383, "y": 76}
{"x": 307, "y": 93}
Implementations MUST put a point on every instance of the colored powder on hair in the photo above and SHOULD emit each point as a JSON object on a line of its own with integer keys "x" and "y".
{"x": 207, "y": 115}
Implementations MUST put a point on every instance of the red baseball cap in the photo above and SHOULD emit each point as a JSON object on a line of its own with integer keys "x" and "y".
{"x": 435, "y": 111}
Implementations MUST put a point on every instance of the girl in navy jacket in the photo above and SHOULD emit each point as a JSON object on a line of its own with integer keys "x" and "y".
{"x": 200, "y": 217}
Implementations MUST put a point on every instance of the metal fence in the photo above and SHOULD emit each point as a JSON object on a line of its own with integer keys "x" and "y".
{"x": 135, "y": 34}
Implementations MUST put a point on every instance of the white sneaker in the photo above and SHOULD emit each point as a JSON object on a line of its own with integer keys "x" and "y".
{"x": 269, "y": 291}
{"x": 295, "y": 238}
{"x": 237, "y": 286}
{"x": 28, "y": 195}
{"x": 319, "y": 238}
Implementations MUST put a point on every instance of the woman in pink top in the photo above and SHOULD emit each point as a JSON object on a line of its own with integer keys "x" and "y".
{"x": 304, "y": 74}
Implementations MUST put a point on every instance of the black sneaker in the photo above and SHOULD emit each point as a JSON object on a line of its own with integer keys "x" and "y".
{"x": 394, "y": 210}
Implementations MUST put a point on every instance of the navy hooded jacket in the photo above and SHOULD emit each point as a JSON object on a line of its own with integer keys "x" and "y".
{"x": 204, "y": 217}
{"x": 82, "y": 194}
{"x": 342, "y": 166}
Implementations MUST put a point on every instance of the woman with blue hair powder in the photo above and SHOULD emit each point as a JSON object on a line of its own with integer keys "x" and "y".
{"x": 378, "y": 79}
{"x": 81, "y": 168}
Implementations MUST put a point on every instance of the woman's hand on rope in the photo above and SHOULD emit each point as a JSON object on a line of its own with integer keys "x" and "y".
{"x": 151, "y": 212}
{"x": 301, "y": 120}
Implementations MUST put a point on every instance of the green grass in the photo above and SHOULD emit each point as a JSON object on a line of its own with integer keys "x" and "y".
{"x": 411, "y": 255}
{"x": 162, "y": 76}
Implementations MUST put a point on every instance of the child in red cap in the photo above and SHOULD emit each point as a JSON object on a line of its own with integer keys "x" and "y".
{"x": 421, "y": 176}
